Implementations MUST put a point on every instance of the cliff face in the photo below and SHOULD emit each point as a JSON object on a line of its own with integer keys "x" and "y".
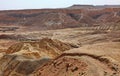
{"x": 60, "y": 18}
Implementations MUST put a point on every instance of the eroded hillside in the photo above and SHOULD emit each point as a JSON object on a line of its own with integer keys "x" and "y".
{"x": 23, "y": 58}
{"x": 75, "y": 41}
{"x": 85, "y": 52}
{"x": 45, "y": 19}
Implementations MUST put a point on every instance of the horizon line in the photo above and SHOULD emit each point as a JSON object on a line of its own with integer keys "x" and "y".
{"x": 17, "y": 9}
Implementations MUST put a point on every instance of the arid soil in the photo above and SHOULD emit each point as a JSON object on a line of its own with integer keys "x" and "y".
{"x": 76, "y": 52}
{"x": 63, "y": 42}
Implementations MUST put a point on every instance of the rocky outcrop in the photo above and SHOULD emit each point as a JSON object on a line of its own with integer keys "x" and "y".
{"x": 21, "y": 59}
{"x": 44, "y": 48}
{"x": 79, "y": 64}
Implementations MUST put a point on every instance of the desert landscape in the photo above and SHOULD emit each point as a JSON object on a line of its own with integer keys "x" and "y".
{"x": 80, "y": 40}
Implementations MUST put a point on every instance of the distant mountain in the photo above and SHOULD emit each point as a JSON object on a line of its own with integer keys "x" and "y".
{"x": 74, "y": 16}
{"x": 93, "y": 7}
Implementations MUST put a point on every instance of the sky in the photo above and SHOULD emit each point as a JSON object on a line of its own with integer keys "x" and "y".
{"x": 40, "y": 4}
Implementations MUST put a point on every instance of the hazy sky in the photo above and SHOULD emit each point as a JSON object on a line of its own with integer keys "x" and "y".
{"x": 37, "y": 4}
